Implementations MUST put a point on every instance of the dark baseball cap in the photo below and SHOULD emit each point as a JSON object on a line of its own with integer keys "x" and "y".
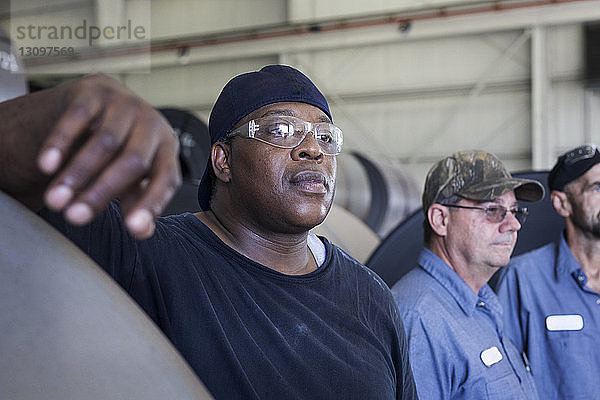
{"x": 248, "y": 92}
{"x": 572, "y": 165}
{"x": 475, "y": 175}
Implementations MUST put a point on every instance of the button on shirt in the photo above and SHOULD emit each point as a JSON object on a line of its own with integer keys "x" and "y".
{"x": 456, "y": 346}
{"x": 554, "y": 317}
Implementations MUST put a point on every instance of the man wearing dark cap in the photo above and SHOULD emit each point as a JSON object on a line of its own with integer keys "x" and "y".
{"x": 457, "y": 346}
{"x": 260, "y": 308}
{"x": 551, "y": 295}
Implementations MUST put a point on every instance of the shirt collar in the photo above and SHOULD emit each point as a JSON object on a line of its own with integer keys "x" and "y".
{"x": 466, "y": 298}
{"x": 567, "y": 264}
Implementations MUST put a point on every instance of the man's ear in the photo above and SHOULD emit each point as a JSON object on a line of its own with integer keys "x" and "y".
{"x": 561, "y": 203}
{"x": 220, "y": 155}
{"x": 438, "y": 218}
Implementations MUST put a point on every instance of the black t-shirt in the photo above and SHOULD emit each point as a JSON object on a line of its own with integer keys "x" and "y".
{"x": 249, "y": 331}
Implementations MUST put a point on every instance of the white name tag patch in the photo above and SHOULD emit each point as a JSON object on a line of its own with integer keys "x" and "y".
{"x": 491, "y": 356}
{"x": 572, "y": 322}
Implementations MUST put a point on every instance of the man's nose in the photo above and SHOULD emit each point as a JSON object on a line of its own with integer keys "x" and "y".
{"x": 309, "y": 147}
{"x": 511, "y": 221}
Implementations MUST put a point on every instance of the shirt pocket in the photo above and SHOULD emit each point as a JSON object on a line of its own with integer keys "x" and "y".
{"x": 571, "y": 363}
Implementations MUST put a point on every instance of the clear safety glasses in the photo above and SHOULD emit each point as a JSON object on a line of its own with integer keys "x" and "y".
{"x": 288, "y": 132}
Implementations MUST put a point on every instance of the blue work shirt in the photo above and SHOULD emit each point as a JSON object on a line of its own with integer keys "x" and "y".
{"x": 552, "y": 316}
{"x": 456, "y": 346}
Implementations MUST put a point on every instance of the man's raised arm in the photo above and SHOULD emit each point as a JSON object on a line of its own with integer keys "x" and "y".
{"x": 79, "y": 145}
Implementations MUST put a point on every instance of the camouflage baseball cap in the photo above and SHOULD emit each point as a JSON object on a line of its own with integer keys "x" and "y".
{"x": 475, "y": 175}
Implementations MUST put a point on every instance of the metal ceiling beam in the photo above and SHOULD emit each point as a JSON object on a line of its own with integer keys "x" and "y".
{"x": 125, "y": 59}
{"x": 494, "y": 66}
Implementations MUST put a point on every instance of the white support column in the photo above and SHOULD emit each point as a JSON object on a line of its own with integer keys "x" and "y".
{"x": 592, "y": 118}
{"x": 541, "y": 146}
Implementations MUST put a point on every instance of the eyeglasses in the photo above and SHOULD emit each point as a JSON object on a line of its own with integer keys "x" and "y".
{"x": 288, "y": 132}
{"x": 579, "y": 154}
{"x": 497, "y": 213}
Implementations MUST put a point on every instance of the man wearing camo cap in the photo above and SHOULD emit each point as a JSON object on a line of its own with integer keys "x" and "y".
{"x": 452, "y": 317}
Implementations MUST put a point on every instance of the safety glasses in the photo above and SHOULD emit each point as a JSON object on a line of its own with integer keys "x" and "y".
{"x": 288, "y": 132}
{"x": 497, "y": 213}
